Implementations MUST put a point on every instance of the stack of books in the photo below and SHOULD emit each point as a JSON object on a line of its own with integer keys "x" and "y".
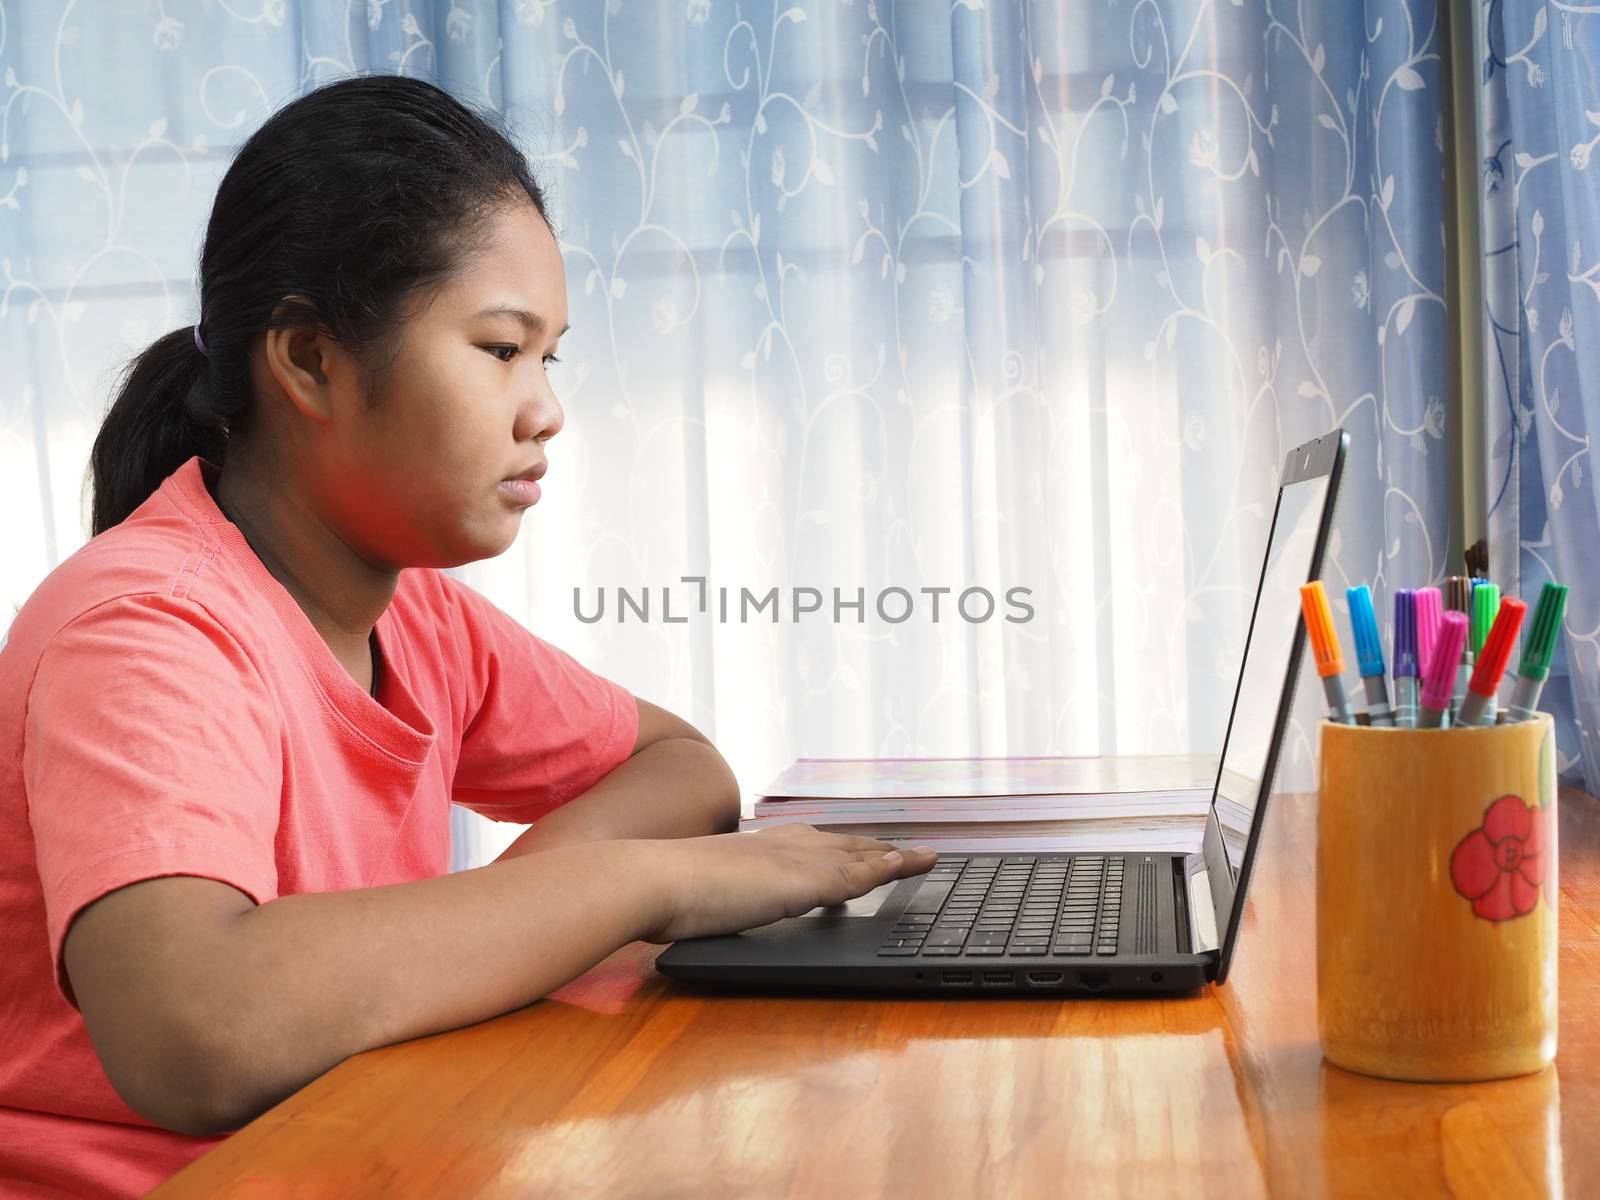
{"x": 999, "y": 805}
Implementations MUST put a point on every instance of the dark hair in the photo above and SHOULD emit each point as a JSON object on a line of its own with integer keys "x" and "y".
{"x": 344, "y": 205}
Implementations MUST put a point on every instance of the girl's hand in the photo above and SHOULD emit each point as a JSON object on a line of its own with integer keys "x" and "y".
{"x": 728, "y": 882}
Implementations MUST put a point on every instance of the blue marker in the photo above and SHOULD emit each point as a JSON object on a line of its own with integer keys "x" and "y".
{"x": 1369, "y": 654}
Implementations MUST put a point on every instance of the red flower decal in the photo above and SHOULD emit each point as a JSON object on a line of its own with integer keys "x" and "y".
{"x": 1498, "y": 866}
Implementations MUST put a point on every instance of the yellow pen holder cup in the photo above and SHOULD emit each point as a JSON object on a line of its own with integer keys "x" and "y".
{"x": 1436, "y": 900}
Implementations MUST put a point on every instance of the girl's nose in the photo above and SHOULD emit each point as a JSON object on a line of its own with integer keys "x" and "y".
{"x": 541, "y": 418}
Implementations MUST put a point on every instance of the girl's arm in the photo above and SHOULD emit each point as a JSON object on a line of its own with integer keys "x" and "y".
{"x": 675, "y": 785}
{"x": 206, "y": 1010}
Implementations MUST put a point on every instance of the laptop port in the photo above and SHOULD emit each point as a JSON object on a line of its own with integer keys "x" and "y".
{"x": 1003, "y": 977}
{"x": 955, "y": 978}
{"x": 1044, "y": 978}
{"x": 1094, "y": 979}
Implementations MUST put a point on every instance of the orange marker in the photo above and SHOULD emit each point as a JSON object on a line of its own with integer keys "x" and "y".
{"x": 1325, "y": 646}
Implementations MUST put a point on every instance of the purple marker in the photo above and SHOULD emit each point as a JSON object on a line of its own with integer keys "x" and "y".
{"x": 1405, "y": 659}
{"x": 1439, "y": 680}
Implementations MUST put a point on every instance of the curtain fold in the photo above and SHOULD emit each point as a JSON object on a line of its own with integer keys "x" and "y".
{"x": 976, "y": 296}
{"x": 1539, "y": 124}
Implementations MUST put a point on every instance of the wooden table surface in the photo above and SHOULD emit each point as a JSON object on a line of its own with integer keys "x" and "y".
{"x": 621, "y": 1085}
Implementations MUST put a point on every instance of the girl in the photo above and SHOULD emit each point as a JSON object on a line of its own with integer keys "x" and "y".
{"x": 232, "y": 724}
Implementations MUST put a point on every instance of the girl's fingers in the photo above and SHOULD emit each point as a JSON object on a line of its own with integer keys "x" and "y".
{"x": 870, "y": 855}
{"x": 852, "y": 842}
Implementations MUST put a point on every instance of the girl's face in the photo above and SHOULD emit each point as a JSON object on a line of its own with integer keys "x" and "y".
{"x": 414, "y": 478}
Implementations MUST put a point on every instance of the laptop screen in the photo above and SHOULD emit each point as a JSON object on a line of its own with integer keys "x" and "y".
{"x": 1266, "y": 658}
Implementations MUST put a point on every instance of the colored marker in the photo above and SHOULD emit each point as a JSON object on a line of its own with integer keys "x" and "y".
{"x": 1440, "y": 672}
{"x": 1536, "y": 655}
{"x": 1479, "y": 706}
{"x": 1369, "y": 654}
{"x": 1458, "y": 598}
{"x": 1405, "y": 659}
{"x": 1485, "y": 610}
{"x": 1325, "y": 646}
{"x": 1430, "y": 614}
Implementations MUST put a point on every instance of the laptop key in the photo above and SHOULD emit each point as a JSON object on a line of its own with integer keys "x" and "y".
{"x": 896, "y": 951}
{"x": 928, "y": 898}
{"x": 982, "y": 950}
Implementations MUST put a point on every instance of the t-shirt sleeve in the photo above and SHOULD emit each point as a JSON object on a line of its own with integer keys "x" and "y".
{"x": 151, "y": 747}
{"x": 543, "y": 728}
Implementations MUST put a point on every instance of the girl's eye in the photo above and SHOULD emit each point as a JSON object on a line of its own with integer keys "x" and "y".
{"x": 511, "y": 352}
{"x": 550, "y": 359}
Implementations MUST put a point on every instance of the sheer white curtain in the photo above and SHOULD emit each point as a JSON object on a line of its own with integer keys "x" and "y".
{"x": 1538, "y": 112}
{"x": 864, "y": 297}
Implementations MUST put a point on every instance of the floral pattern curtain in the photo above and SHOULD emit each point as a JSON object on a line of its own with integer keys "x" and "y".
{"x": 1539, "y": 123}
{"x": 951, "y": 298}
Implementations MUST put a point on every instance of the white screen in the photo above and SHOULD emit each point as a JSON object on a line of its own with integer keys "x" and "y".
{"x": 1266, "y": 661}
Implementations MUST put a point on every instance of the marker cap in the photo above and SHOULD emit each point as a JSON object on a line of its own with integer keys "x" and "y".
{"x": 1430, "y": 611}
{"x": 1497, "y": 647}
{"x": 1541, "y": 647}
{"x": 1485, "y": 607}
{"x": 1405, "y": 633}
{"x": 1319, "y": 627}
{"x": 1439, "y": 680}
{"x": 1364, "y": 623}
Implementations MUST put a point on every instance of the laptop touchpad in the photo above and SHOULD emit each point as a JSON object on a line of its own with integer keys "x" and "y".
{"x": 861, "y": 906}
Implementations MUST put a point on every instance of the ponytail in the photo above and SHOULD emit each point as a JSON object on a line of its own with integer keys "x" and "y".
{"x": 158, "y": 421}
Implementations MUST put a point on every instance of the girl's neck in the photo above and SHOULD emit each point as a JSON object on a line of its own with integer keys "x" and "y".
{"x": 341, "y": 594}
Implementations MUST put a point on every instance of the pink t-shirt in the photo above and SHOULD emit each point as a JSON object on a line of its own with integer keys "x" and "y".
{"x": 166, "y": 708}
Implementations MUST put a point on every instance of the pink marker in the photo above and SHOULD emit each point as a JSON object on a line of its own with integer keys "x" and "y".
{"x": 1430, "y": 609}
{"x": 1439, "y": 676}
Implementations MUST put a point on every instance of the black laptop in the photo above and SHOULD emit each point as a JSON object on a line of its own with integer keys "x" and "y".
{"x": 1055, "y": 924}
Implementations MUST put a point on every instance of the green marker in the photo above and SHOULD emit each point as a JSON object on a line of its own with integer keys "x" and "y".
{"x": 1482, "y": 608}
{"x": 1536, "y": 655}
{"x": 1485, "y": 604}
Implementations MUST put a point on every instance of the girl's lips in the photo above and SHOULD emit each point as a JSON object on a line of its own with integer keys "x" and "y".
{"x": 520, "y": 491}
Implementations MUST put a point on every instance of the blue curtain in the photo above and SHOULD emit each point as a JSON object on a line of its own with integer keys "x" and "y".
{"x": 864, "y": 295}
{"x": 1539, "y": 120}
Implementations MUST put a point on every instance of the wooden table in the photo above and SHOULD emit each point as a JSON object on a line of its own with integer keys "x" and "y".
{"x": 620, "y": 1085}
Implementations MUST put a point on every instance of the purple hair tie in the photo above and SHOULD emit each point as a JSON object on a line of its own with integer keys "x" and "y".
{"x": 198, "y": 344}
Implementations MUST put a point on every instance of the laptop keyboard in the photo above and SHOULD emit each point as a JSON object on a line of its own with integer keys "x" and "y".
{"x": 1022, "y": 905}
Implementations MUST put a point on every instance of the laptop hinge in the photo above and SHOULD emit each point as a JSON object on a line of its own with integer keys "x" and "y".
{"x": 1202, "y": 911}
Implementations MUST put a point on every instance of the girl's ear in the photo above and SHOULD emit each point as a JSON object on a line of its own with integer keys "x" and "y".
{"x": 306, "y": 362}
